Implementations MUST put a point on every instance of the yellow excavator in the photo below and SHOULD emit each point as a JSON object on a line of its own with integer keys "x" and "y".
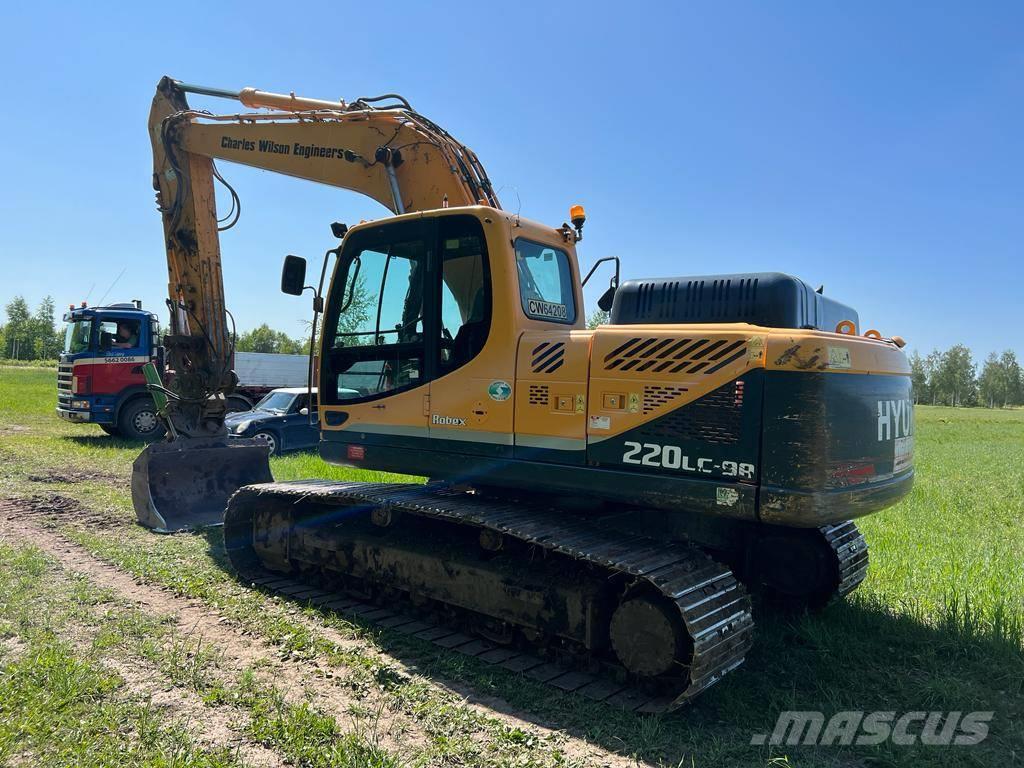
{"x": 600, "y": 503}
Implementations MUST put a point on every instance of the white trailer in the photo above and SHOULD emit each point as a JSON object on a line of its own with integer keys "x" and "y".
{"x": 260, "y": 372}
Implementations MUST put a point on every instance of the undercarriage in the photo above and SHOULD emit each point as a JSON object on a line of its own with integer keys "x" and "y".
{"x": 569, "y": 599}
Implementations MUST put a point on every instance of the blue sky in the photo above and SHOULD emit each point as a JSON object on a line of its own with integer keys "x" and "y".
{"x": 873, "y": 147}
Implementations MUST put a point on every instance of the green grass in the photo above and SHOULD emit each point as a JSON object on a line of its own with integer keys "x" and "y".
{"x": 60, "y": 706}
{"x": 307, "y": 737}
{"x": 8, "y": 363}
{"x": 939, "y": 624}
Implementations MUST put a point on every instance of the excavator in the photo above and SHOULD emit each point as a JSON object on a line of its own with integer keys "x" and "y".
{"x": 600, "y": 504}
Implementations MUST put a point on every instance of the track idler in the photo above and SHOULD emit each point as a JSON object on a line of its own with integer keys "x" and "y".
{"x": 186, "y": 483}
{"x": 807, "y": 568}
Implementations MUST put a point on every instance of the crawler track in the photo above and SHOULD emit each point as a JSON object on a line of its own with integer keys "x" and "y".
{"x": 705, "y": 596}
{"x": 851, "y": 552}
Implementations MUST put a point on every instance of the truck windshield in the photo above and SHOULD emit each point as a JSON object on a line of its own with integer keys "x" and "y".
{"x": 277, "y": 402}
{"x": 76, "y": 338}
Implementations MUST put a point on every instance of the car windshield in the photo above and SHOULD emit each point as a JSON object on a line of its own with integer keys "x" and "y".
{"x": 76, "y": 337}
{"x": 277, "y": 402}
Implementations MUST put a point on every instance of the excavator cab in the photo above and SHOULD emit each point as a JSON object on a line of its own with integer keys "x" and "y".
{"x": 422, "y": 326}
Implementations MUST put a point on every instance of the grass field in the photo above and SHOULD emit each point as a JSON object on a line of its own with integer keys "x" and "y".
{"x": 143, "y": 650}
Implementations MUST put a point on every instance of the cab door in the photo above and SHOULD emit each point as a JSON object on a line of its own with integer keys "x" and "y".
{"x": 470, "y": 406}
{"x": 553, "y": 361}
{"x": 123, "y": 345}
{"x": 376, "y": 357}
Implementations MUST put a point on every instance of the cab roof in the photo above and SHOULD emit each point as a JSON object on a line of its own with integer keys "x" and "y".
{"x": 124, "y": 309}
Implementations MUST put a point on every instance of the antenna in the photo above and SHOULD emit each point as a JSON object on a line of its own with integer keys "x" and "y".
{"x": 100, "y": 302}
{"x": 519, "y": 200}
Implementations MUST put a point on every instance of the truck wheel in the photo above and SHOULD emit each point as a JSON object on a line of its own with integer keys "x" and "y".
{"x": 111, "y": 430}
{"x": 138, "y": 421}
{"x": 270, "y": 439}
{"x": 237, "y": 404}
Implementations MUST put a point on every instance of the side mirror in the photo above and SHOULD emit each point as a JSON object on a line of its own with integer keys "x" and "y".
{"x": 293, "y": 275}
{"x": 304, "y": 411}
{"x": 605, "y": 302}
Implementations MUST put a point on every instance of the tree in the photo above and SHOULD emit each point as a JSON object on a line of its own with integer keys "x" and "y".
{"x": 266, "y": 339}
{"x": 955, "y": 377}
{"x": 931, "y": 369}
{"x": 1014, "y": 378}
{"x": 1000, "y": 382}
{"x": 919, "y": 378}
{"x": 597, "y": 317}
{"x": 356, "y": 316}
{"x": 28, "y": 336}
{"x": 47, "y": 340}
{"x": 17, "y": 331}
{"x": 992, "y": 382}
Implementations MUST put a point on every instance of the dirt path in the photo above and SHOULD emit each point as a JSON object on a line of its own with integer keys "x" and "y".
{"x": 192, "y": 619}
{"x": 210, "y": 727}
{"x": 316, "y": 681}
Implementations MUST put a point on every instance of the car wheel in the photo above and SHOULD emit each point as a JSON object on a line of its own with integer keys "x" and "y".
{"x": 270, "y": 439}
{"x": 110, "y": 429}
{"x": 139, "y": 421}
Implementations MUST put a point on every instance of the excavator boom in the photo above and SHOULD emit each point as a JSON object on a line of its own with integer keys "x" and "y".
{"x": 379, "y": 147}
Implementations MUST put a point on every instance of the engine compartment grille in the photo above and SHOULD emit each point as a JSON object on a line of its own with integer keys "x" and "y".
{"x": 656, "y": 396}
{"x": 548, "y": 357}
{"x": 539, "y": 394}
{"x": 714, "y": 418}
{"x": 674, "y": 355}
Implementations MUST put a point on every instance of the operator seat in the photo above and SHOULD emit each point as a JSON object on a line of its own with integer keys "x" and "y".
{"x": 472, "y": 335}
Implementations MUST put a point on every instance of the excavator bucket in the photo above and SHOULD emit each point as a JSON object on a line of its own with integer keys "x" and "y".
{"x": 186, "y": 483}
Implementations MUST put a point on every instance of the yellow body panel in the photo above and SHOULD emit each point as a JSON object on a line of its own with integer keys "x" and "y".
{"x": 551, "y": 389}
{"x": 571, "y": 385}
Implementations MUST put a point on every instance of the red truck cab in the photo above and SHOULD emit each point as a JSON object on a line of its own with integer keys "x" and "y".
{"x": 99, "y": 377}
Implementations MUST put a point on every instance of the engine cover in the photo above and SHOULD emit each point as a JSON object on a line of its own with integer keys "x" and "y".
{"x": 768, "y": 299}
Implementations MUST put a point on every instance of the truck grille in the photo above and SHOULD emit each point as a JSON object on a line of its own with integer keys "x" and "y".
{"x": 64, "y": 375}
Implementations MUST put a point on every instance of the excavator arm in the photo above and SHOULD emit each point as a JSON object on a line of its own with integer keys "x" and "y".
{"x": 391, "y": 154}
{"x": 379, "y": 147}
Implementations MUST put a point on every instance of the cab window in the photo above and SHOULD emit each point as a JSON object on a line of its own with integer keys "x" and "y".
{"x": 545, "y": 282}
{"x": 412, "y": 303}
{"x": 377, "y": 343}
{"x": 119, "y": 334}
{"x": 465, "y": 292}
{"x": 303, "y": 401}
{"x": 77, "y": 337}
